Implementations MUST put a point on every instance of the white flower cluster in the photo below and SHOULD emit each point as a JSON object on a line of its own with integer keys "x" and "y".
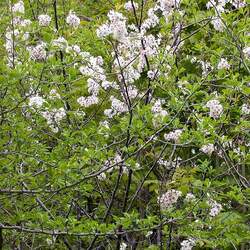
{"x": 10, "y": 47}
{"x": 132, "y": 92}
{"x": 220, "y": 5}
{"x": 167, "y": 7}
{"x": 239, "y": 3}
{"x": 173, "y": 135}
{"x": 218, "y": 24}
{"x": 216, "y": 109}
{"x": 187, "y": 244}
{"x": 104, "y": 124}
{"x": 94, "y": 70}
{"x": 206, "y": 67}
{"x": 60, "y": 43}
{"x": 152, "y": 74}
{"x": 36, "y": 101}
{"x": 169, "y": 198}
{"x": 164, "y": 163}
{"x": 133, "y": 44}
{"x": 207, "y": 149}
{"x": 106, "y": 85}
{"x": 73, "y": 49}
{"x": 123, "y": 246}
{"x": 157, "y": 108}
{"x": 54, "y": 118}
{"x": 223, "y": 64}
{"x": 87, "y": 101}
{"x": 93, "y": 67}
{"x": 130, "y": 7}
{"x": 189, "y": 197}
{"x": 158, "y": 112}
{"x": 15, "y": 33}
{"x": 18, "y": 21}
{"x": 73, "y": 20}
{"x": 117, "y": 107}
{"x": 116, "y": 161}
{"x": 18, "y": 7}
{"x": 38, "y": 53}
{"x": 53, "y": 94}
{"x": 246, "y": 52}
{"x": 93, "y": 87}
{"x": 245, "y": 109}
{"x": 151, "y": 21}
{"x": 170, "y": 164}
{"x": 44, "y": 20}
{"x": 134, "y": 49}
{"x": 116, "y": 26}
{"x": 215, "y": 207}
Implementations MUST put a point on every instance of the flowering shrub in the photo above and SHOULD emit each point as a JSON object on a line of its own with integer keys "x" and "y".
{"x": 125, "y": 126}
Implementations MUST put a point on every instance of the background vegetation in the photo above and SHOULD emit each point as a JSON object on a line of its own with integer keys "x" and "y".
{"x": 166, "y": 167}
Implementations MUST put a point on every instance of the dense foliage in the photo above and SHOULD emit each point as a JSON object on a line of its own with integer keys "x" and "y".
{"x": 125, "y": 125}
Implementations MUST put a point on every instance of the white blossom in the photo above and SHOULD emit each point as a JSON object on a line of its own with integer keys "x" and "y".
{"x": 25, "y": 22}
{"x": 174, "y": 135}
{"x": 164, "y": 163}
{"x": 105, "y": 124}
{"x": 106, "y": 84}
{"x": 239, "y": 3}
{"x": 218, "y": 24}
{"x": 216, "y": 109}
{"x": 215, "y": 207}
{"x": 38, "y": 53}
{"x": 152, "y": 74}
{"x": 102, "y": 176}
{"x": 151, "y": 21}
{"x": 190, "y": 197}
{"x": 123, "y": 246}
{"x": 169, "y": 198}
{"x": 109, "y": 113}
{"x": 130, "y": 7}
{"x": 223, "y": 64}
{"x": 93, "y": 86}
{"x": 207, "y": 149}
{"x": 118, "y": 106}
{"x": 54, "y": 117}
{"x": 60, "y": 42}
{"x": 93, "y": 68}
{"x": 246, "y": 52}
{"x": 76, "y": 48}
{"x": 220, "y": 5}
{"x": 132, "y": 92}
{"x": 18, "y": 7}
{"x": 36, "y": 101}
{"x": 103, "y": 31}
{"x": 206, "y": 67}
{"x": 187, "y": 244}
{"x": 44, "y": 20}
{"x": 53, "y": 94}
{"x": 157, "y": 108}
{"x": 167, "y": 7}
{"x": 158, "y": 112}
{"x": 148, "y": 234}
{"x": 245, "y": 109}
{"x": 73, "y": 20}
{"x": 115, "y": 26}
{"x": 88, "y": 101}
